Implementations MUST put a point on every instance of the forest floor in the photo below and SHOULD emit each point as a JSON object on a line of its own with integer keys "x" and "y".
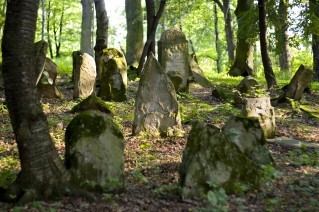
{"x": 152, "y": 163}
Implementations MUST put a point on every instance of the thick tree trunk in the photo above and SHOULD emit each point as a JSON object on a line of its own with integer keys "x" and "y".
{"x": 314, "y": 8}
{"x": 86, "y": 27}
{"x": 101, "y": 43}
{"x": 42, "y": 170}
{"x": 148, "y": 48}
{"x": 217, "y": 41}
{"x": 134, "y": 38}
{"x": 243, "y": 64}
{"x": 281, "y": 31}
{"x": 269, "y": 73}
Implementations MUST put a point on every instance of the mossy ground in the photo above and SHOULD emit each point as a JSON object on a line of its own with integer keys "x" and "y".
{"x": 152, "y": 163}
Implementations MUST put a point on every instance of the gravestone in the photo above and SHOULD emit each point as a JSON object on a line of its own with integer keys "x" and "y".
{"x": 248, "y": 85}
{"x": 114, "y": 76}
{"x": 260, "y": 107}
{"x": 156, "y": 106}
{"x": 84, "y": 74}
{"x": 94, "y": 152}
{"x": 198, "y": 73}
{"x": 212, "y": 160}
{"x": 173, "y": 56}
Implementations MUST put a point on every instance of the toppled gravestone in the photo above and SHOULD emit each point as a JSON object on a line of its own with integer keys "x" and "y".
{"x": 214, "y": 158}
{"x": 94, "y": 152}
{"x": 46, "y": 71}
{"x": 298, "y": 84}
{"x": 156, "y": 106}
{"x": 84, "y": 74}
{"x": 114, "y": 76}
{"x": 173, "y": 56}
{"x": 198, "y": 73}
{"x": 261, "y": 108}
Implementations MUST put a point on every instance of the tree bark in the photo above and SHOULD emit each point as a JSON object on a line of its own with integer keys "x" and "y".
{"x": 43, "y": 7}
{"x": 134, "y": 38}
{"x": 101, "y": 43}
{"x": 243, "y": 64}
{"x": 314, "y": 8}
{"x": 217, "y": 41}
{"x": 86, "y": 27}
{"x": 42, "y": 170}
{"x": 48, "y": 29}
{"x": 148, "y": 46}
{"x": 268, "y": 71}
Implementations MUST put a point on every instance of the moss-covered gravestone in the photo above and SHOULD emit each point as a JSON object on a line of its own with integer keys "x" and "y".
{"x": 84, "y": 74}
{"x": 94, "y": 152}
{"x": 173, "y": 56}
{"x": 114, "y": 76}
{"x": 92, "y": 103}
{"x": 214, "y": 158}
{"x": 156, "y": 106}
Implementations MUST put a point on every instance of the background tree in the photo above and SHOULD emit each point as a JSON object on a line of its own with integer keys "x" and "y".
{"x": 217, "y": 40}
{"x": 86, "y": 26}
{"x": 102, "y": 23}
{"x": 269, "y": 73}
{"x": 243, "y": 64}
{"x": 134, "y": 37}
{"x": 42, "y": 171}
{"x": 314, "y": 11}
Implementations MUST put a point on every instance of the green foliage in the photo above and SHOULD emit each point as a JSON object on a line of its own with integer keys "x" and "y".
{"x": 269, "y": 174}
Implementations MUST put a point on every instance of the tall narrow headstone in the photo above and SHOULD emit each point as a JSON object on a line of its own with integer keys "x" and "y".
{"x": 156, "y": 106}
{"x": 84, "y": 74}
{"x": 173, "y": 56}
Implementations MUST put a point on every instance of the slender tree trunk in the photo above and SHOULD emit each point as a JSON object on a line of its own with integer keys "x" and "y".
{"x": 314, "y": 8}
{"x": 43, "y": 20}
{"x": 243, "y": 64}
{"x": 134, "y": 38}
{"x": 281, "y": 32}
{"x": 42, "y": 170}
{"x": 229, "y": 30}
{"x": 148, "y": 48}
{"x": 269, "y": 73}
{"x": 48, "y": 29}
{"x": 150, "y": 13}
{"x": 57, "y": 31}
{"x": 86, "y": 27}
{"x": 101, "y": 34}
{"x": 217, "y": 41}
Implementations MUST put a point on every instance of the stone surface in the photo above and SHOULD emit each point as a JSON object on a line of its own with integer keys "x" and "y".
{"x": 211, "y": 160}
{"x": 94, "y": 152}
{"x": 156, "y": 106}
{"x": 198, "y": 74}
{"x": 84, "y": 74}
{"x": 173, "y": 56}
{"x": 114, "y": 76}
{"x": 248, "y": 86}
{"x": 247, "y": 134}
{"x": 92, "y": 103}
{"x": 47, "y": 84}
{"x": 262, "y": 109}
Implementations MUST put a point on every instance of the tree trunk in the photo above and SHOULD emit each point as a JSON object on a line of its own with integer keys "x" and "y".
{"x": 150, "y": 13}
{"x": 42, "y": 171}
{"x": 148, "y": 48}
{"x": 269, "y": 73}
{"x": 281, "y": 32}
{"x": 86, "y": 27}
{"x": 243, "y": 64}
{"x": 229, "y": 30}
{"x": 314, "y": 8}
{"x": 43, "y": 19}
{"x": 101, "y": 43}
{"x": 57, "y": 30}
{"x": 134, "y": 38}
{"x": 48, "y": 29}
{"x": 217, "y": 41}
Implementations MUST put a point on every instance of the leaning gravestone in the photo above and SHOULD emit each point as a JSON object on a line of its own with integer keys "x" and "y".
{"x": 198, "y": 73}
{"x": 173, "y": 56}
{"x": 261, "y": 108}
{"x": 84, "y": 74}
{"x": 212, "y": 159}
{"x": 156, "y": 106}
{"x": 114, "y": 76}
{"x": 94, "y": 152}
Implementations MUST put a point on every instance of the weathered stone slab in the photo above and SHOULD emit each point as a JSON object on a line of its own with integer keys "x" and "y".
{"x": 173, "y": 56}
{"x": 84, "y": 74}
{"x": 114, "y": 76}
{"x": 198, "y": 74}
{"x": 94, "y": 152}
{"x": 262, "y": 109}
{"x": 156, "y": 106}
{"x": 211, "y": 160}
{"x": 92, "y": 103}
{"x": 248, "y": 85}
